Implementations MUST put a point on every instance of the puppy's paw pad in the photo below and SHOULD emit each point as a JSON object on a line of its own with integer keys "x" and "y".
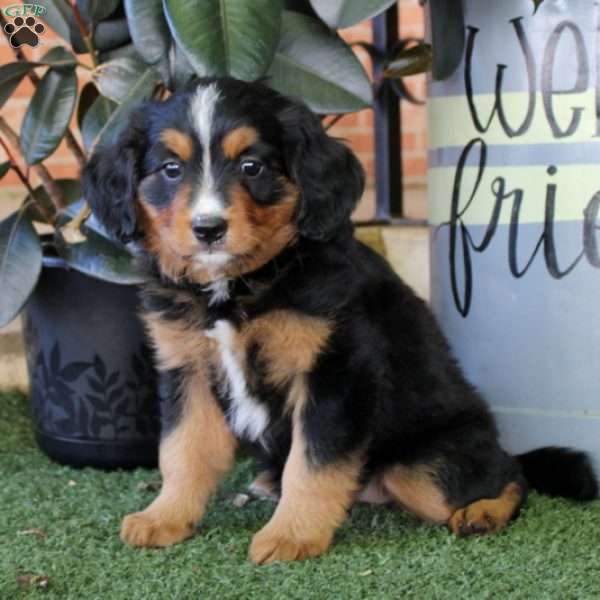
{"x": 474, "y": 520}
{"x": 268, "y": 547}
{"x": 145, "y": 530}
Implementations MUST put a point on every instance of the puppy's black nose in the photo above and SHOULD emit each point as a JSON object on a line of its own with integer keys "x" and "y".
{"x": 208, "y": 228}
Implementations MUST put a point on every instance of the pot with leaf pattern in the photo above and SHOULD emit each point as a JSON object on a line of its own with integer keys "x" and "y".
{"x": 93, "y": 388}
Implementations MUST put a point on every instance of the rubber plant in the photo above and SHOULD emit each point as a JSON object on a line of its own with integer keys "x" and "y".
{"x": 130, "y": 50}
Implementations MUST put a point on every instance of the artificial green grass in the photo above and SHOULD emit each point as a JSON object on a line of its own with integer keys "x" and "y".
{"x": 63, "y": 524}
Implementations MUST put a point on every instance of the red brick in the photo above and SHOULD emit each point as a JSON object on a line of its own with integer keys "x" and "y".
{"x": 359, "y": 33}
{"x": 64, "y": 171}
{"x": 11, "y": 179}
{"x": 25, "y": 89}
{"x": 362, "y": 143}
{"x": 415, "y": 166}
{"x": 409, "y": 142}
{"x": 365, "y": 118}
{"x": 348, "y": 120}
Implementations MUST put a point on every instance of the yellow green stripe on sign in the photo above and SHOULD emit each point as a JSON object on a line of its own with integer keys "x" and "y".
{"x": 451, "y": 122}
{"x": 575, "y": 185}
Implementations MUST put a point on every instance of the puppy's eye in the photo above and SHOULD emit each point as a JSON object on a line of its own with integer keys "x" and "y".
{"x": 172, "y": 170}
{"x": 251, "y": 168}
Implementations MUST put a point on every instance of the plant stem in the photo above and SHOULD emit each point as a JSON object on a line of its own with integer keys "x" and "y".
{"x": 14, "y": 166}
{"x": 25, "y": 181}
{"x": 333, "y": 122}
{"x": 54, "y": 192}
{"x": 86, "y": 34}
{"x": 70, "y": 140}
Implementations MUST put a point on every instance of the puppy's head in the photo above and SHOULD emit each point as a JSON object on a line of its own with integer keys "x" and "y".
{"x": 218, "y": 180}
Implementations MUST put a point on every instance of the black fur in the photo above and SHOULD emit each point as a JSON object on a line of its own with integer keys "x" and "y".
{"x": 560, "y": 472}
{"x": 171, "y": 387}
{"x": 111, "y": 179}
{"x": 330, "y": 177}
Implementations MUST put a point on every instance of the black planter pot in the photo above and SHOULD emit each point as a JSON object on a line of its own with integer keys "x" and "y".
{"x": 93, "y": 387}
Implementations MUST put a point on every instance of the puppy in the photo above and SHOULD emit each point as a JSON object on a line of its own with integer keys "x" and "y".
{"x": 274, "y": 327}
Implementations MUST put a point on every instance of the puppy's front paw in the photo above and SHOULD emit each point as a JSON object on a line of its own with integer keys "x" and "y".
{"x": 270, "y": 545}
{"x": 144, "y": 529}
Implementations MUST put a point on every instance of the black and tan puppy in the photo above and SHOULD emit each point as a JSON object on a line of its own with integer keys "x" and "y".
{"x": 274, "y": 327}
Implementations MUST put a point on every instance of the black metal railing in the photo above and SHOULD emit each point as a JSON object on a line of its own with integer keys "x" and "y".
{"x": 388, "y": 94}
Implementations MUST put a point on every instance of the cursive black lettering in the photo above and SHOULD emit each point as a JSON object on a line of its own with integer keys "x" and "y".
{"x": 590, "y": 230}
{"x": 547, "y": 83}
{"x": 498, "y": 107}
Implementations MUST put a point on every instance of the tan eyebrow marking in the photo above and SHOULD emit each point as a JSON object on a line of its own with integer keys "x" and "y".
{"x": 237, "y": 140}
{"x": 178, "y": 142}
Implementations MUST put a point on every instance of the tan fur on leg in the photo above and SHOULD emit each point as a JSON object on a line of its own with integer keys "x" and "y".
{"x": 193, "y": 457}
{"x": 314, "y": 503}
{"x": 416, "y": 490}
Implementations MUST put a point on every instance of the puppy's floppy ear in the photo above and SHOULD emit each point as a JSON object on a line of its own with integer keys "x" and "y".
{"x": 111, "y": 177}
{"x": 330, "y": 178}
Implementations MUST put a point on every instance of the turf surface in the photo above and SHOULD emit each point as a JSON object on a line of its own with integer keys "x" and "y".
{"x": 59, "y": 539}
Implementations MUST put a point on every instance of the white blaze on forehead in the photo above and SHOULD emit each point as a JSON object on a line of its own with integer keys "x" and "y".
{"x": 202, "y": 112}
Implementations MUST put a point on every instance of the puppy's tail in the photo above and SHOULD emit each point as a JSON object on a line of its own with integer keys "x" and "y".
{"x": 564, "y": 472}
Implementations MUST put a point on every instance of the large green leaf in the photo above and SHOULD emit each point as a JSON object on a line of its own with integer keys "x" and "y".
{"x": 97, "y": 10}
{"x": 126, "y": 51}
{"x": 140, "y": 89}
{"x": 91, "y": 223}
{"x": 409, "y": 61}
{"x": 48, "y": 114}
{"x": 12, "y": 73}
{"x": 345, "y": 13}
{"x": 114, "y": 78}
{"x": 102, "y": 259}
{"x": 59, "y": 17}
{"x": 95, "y": 119}
{"x": 447, "y": 36}
{"x": 58, "y": 57}
{"x": 148, "y": 28}
{"x": 71, "y": 191}
{"x": 111, "y": 34}
{"x": 20, "y": 264}
{"x": 10, "y": 77}
{"x": 87, "y": 97}
{"x": 226, "y": 37}
{"x": 301, "y": 6}
{"x": 314, "y": 64}
{"x": 108, "y": 35}
{"x": 180, "y": 70}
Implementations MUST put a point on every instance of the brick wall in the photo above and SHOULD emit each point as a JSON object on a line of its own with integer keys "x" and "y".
{"x": 355, "y": 128}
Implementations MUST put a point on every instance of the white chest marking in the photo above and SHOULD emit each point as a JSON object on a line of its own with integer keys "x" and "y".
{"x": 219, "y": 291}
{"x": 246, "y": 416}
